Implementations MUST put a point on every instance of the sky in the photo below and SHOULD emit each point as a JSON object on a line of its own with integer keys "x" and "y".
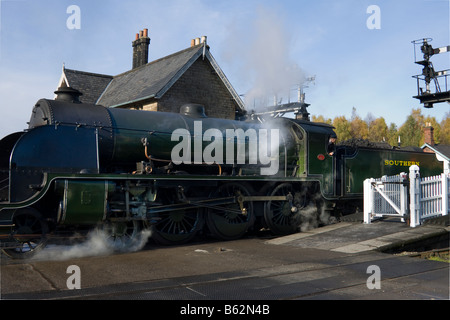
{"x": 358, "y": 52}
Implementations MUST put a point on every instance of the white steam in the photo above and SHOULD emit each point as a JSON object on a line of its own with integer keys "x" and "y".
{"x": 98, "y": 243}
{"x": 312, "y": 216}
{"x": 266, "y": 60}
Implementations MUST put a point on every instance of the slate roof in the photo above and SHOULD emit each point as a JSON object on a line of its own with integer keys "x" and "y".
{"x": 151, "y": 80}
{"x": 92, "y": 85}
{"x": 443, "y": 150}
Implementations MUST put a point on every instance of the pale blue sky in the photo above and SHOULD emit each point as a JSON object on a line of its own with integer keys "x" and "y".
{"x": 269, "y": 45}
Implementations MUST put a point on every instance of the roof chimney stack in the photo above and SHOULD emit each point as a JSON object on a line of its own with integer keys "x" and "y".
{"x": 198, "y": 40}
{"x": 429, "y": 135}
{"x": 140, "y": 48}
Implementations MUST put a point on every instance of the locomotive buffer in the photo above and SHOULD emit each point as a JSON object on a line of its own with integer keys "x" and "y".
{"x": 429, "y": 75}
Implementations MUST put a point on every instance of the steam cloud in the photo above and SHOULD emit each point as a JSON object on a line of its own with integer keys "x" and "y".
{"x": 311, "y": 217}
{"x": 266, "y": 59}
{"x": 98, "y": 243}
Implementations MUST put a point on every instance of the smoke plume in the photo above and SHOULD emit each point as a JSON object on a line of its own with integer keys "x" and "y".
{"x": 266, "y": 60}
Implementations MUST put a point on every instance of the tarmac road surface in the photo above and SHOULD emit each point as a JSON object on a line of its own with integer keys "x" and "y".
{"x": 251, "y": 269}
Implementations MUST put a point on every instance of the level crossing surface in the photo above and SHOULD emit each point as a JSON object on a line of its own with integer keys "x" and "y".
{"x": 343, "y": 261}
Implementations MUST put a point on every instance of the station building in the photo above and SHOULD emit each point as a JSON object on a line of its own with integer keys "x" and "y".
{"x": 189, "y": 76}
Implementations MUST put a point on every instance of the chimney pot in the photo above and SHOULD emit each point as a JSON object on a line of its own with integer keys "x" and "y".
{"x": 192, "y": 42}
{"x": 197, "y": 41}
{"x": 140, "y": 49}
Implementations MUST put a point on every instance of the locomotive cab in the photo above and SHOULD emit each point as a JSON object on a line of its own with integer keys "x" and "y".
{"x": 317, "y": 158}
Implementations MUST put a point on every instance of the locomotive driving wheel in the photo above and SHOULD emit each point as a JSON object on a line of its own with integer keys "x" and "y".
{"x": 178, "y": 226}
{"x": 230, "y": 221}
{"x": 281, "y": 215}
{"x": 123, "y": 235}
{"x": 30, "y": 234}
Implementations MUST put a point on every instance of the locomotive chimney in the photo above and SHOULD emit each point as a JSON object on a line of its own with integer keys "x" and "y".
{"x": 429, "y": 134}
{"x": 68, "y": 94}
{"x": 140, "y": 48}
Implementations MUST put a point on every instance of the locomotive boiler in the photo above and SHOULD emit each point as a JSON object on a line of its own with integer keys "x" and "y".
{"x": 82, "y": 166}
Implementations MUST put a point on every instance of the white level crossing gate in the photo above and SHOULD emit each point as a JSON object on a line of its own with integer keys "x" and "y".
{"x": 407, "y": 196}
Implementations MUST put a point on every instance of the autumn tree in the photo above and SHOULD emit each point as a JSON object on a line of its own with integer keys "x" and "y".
{"x": 378, "y": 130}
{"x": 321, "y": 118}
{"x": 342, "y": 128}
{"x": 411, "y": 132}
{"x": 359, "y": 128}
{"x": 392, "y": 137}
{"x": 444, "y": 137}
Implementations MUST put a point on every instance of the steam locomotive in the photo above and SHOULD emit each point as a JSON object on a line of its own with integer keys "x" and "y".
{"x": 82, "y": 166}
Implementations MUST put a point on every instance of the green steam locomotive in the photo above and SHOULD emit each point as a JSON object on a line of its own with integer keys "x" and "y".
{"x": 82, "y": 166}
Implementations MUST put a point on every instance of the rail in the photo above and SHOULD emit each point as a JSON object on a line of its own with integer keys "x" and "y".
{"x": 415, "y": 199}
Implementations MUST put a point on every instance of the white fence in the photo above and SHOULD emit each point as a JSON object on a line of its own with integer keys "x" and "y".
{"x": 388, "y": 196}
